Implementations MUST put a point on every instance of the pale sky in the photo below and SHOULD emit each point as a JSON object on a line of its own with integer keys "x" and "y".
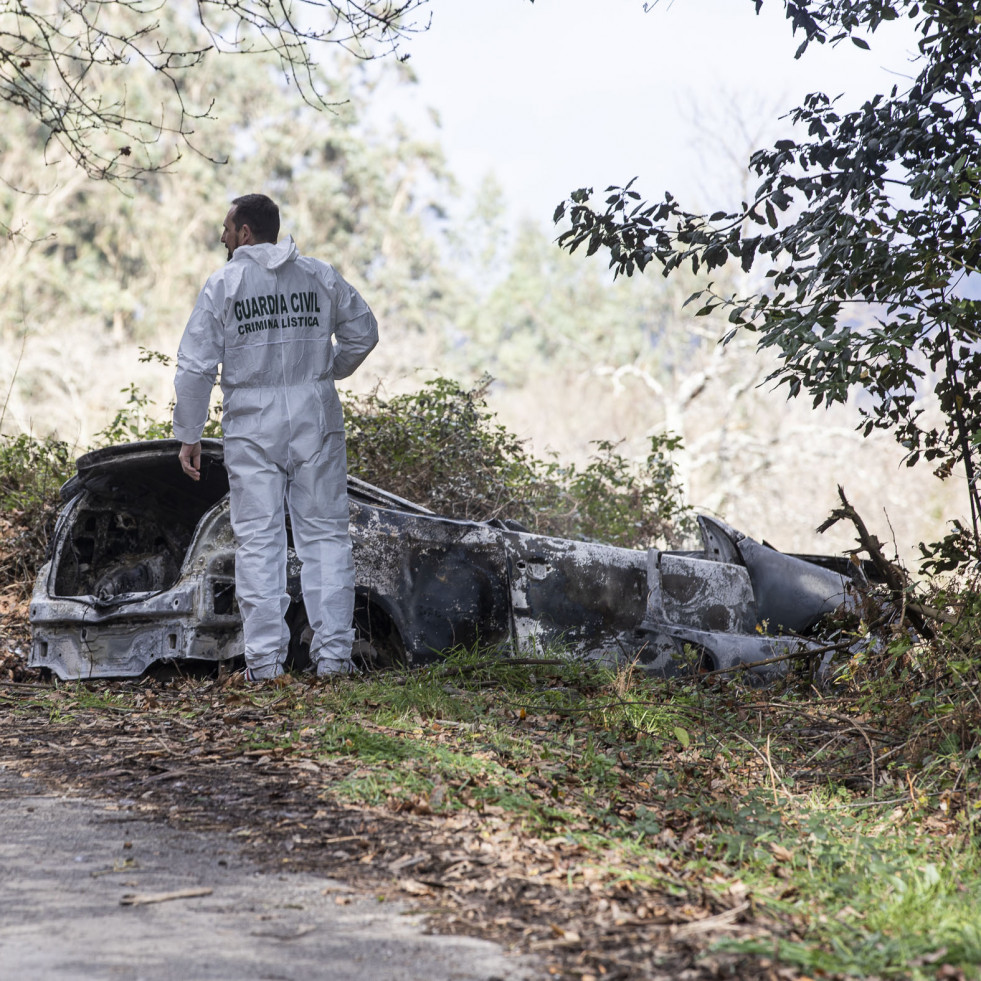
{"x": 565, "y": 93}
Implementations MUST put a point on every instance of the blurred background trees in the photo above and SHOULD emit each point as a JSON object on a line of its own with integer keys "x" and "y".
{"x": 93, "y": 271}
{"x": 111, "y": 82}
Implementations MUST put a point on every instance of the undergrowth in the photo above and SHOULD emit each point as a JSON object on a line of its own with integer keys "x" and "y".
{"x": 848, "y": 822}
{"x": 442, "y": 447}
{"x": 32, "y": 471}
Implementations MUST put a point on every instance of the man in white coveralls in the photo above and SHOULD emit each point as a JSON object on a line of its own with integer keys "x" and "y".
{"x": 283, "y": 326}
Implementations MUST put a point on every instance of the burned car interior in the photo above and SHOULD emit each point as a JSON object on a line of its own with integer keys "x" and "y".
{"x": 134, "y": 528}
{"x": 141, "y": 571}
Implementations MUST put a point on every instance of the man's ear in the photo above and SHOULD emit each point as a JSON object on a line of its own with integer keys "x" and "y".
{"x": 247, "y": 237}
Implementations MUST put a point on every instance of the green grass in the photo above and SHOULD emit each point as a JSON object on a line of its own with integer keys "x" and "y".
{"x": 888, "y": 890}
{"x": 878, "y": 897}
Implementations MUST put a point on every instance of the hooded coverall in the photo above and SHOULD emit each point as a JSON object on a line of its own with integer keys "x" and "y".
{"x": 268, "y": 317}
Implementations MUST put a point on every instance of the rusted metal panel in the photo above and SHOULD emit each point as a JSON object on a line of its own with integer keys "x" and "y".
{"x": 443, "y": 581}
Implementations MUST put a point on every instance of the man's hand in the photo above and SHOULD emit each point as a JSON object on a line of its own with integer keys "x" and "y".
{"x": 190, "y": 457}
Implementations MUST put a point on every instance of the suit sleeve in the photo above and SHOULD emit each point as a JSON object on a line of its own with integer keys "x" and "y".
{"x": 201, "y": 351}
{"x": 355, "y": 329}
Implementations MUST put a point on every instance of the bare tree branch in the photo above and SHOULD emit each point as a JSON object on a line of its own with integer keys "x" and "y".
{"x": 66, "y": 63}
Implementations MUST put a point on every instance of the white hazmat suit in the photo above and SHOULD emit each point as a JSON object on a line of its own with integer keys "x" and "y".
{"x": 283, "y": 326}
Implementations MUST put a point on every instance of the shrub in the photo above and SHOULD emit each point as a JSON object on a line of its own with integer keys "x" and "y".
{"x": 32, "y": 471}
{"x": 441, "y": 447}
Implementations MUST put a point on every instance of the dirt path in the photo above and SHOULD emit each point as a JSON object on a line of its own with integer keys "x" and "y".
{"x": 473, "y": 873}
{"x": 89, "y": 891}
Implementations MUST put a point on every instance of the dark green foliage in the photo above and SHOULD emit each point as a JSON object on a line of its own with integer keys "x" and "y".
{"x": 864, "y": 229}
{"x": 619, "y": 502}
{"x": 441, "y": 447}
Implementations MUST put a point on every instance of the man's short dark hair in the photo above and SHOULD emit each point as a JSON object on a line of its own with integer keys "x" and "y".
{"x": 260, "y": 213}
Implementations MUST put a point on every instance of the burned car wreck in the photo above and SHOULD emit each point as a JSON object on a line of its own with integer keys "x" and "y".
{"x": 141, "y": 570}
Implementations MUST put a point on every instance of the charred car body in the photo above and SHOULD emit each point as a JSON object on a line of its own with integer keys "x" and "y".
{"x": 142, "y": 570}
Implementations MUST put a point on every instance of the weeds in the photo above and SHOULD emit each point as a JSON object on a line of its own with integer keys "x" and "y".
{"x": 878, "y": 900}
{"x": 134, "y": 421}
{"x": 442, "y": 447}
{"x": 870, "y": 891}
{"x": 31, "y": 472}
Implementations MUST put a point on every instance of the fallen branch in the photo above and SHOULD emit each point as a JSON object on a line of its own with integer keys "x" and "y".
{"x": 934, "y": 614}
{"x": 895, "y": 578}
{"x": 452, "y": 670}
{"x": 711, "y": 923}
{"x": 841, "y": 645}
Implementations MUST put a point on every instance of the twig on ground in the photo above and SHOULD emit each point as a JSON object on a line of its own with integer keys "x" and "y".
{"x": 143, "y": 898}
{"x": 452, "y": 670}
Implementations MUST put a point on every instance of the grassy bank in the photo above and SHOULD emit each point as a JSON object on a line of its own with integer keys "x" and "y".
{"x": 770, "y": 831}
